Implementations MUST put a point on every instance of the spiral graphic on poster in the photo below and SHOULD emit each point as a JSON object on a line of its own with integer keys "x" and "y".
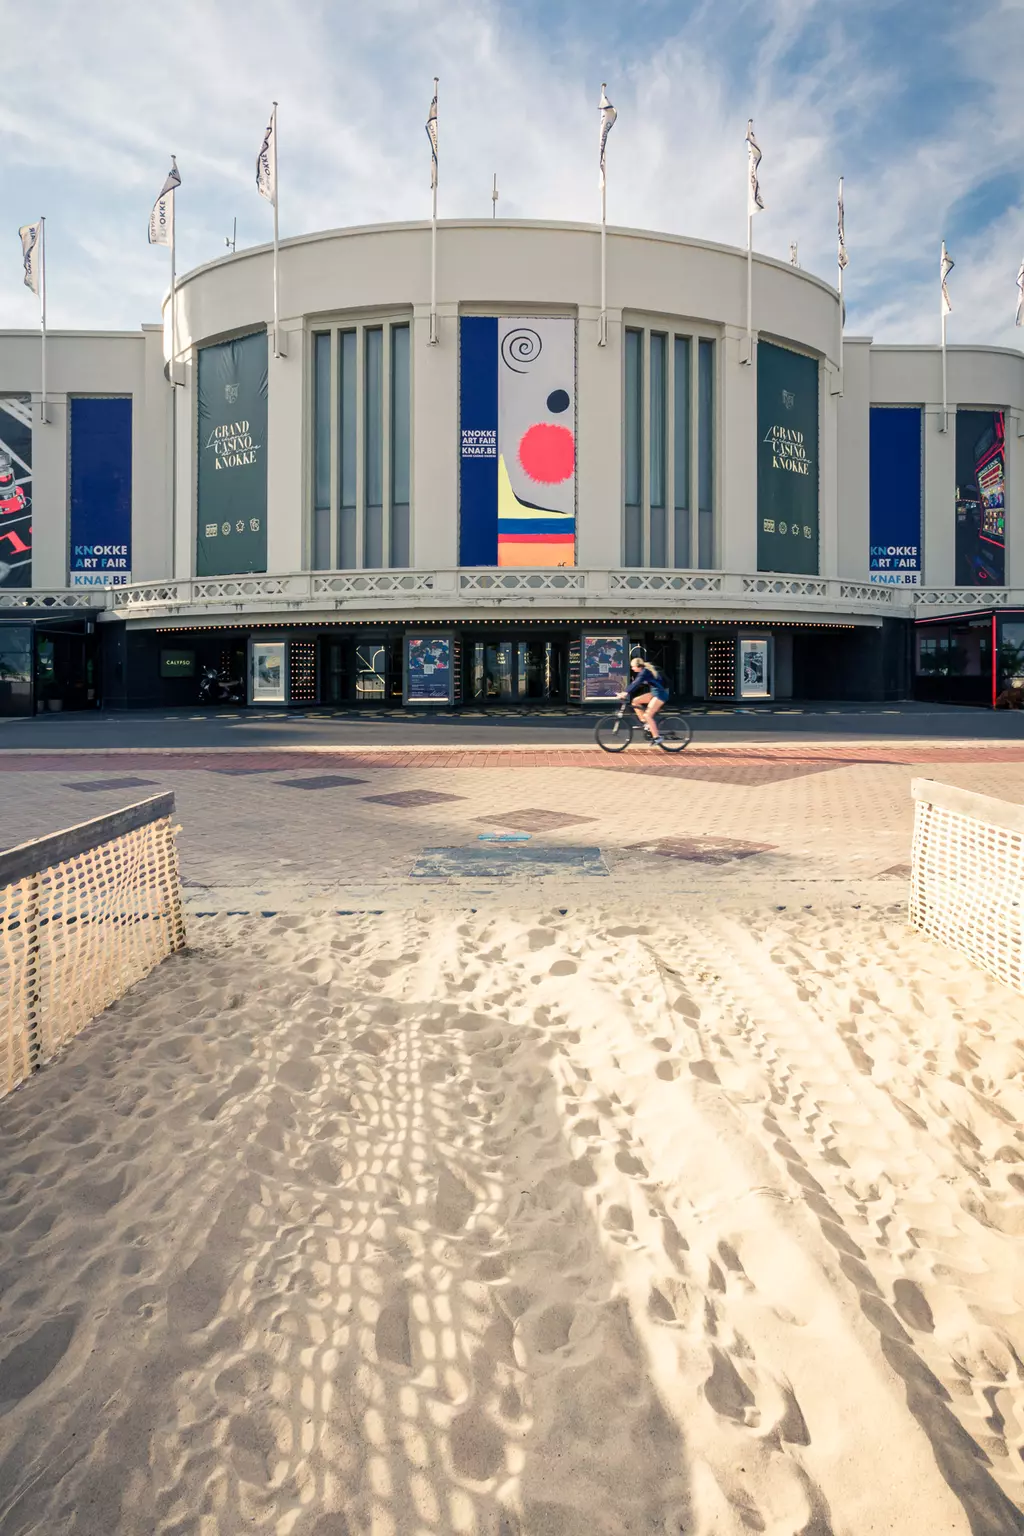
{"x": 520, "y": 346}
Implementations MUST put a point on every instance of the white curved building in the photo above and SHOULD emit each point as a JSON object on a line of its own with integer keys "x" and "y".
{"x": 357, "y": 514}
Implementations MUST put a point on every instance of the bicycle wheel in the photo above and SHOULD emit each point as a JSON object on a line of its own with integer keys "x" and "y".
{"x": 676, "y": 733}
{"x": 614, "y": 734}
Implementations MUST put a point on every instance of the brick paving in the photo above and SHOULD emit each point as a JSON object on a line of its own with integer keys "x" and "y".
{"x": 821, "y": 819}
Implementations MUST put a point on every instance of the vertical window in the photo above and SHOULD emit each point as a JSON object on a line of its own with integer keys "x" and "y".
{"x": 706, "y": 456}
{"x": 401, "y": 402}
{"x": 681, "y": 453}
{"x": 633, "y": 531}
{"x": 656, "y": 445}
{"x": 347, "y": 386}
{"x": 373, "y": 450}
{"x": 322, "y": 451}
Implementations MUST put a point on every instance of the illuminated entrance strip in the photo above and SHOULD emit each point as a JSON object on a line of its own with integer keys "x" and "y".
{"x": 967, "y": 880}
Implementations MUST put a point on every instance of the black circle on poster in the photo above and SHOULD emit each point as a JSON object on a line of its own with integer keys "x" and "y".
{"x": 558, "y": 401}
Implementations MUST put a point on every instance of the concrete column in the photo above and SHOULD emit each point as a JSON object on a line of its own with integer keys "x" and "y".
{"x": 828, "y": 474}
{"x": 183, "y": 491}
{"x": 50, "y": 494}
{"x": 435, "y": 439}
{"x": 287, "y": 515}
{"x": 736, "y": 456}
{"x": 152, "y": 523}
{"x": 853, "y": 525}
{"x": 939, "y": 496}
{"x": 599, "y": 444}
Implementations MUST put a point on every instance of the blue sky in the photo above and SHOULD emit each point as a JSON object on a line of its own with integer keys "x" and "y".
{"x": 917, "y": 105}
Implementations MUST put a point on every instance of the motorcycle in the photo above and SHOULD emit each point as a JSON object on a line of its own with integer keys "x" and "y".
{"x": 214, "y": 689}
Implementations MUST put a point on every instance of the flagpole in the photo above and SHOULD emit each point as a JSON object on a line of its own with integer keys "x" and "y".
{"x": 842, "y": 268}
{"x": 43, "y": 406}
{"x": 602, "y": 337}
{"x": 433, "y": 240}
{"x": 942, "y": 311}
{"x": 749, "y": 359}
{"x": 274, "y": 119}
{"x": 174, "y": 326}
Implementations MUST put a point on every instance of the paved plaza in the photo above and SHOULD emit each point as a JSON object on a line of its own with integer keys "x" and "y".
{"x": 346, "y": 827}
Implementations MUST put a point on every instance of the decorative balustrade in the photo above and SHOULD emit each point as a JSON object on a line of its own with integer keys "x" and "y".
{"x": 453, "y": 590}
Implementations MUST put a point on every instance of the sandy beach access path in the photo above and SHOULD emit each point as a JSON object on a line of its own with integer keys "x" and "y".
{"x": 587, "y": 1223}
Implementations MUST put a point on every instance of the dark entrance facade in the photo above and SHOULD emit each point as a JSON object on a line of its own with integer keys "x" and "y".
{"x": 504, "y": 662}
{"x": 47, "y": 664}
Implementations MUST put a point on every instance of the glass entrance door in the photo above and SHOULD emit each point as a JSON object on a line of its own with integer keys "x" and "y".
{"x": 513, "y": 671}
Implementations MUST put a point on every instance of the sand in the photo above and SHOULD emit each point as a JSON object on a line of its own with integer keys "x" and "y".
{"x": 580, "y": 1224}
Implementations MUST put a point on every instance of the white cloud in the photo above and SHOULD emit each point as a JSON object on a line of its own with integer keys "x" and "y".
{"x": 110, "y": 103}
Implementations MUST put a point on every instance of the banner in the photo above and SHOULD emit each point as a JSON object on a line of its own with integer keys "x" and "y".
{"x": 896, "y": 481}
{"x": 231, "y": 513}
{"x": 517, "y": 484}
{"x": 428, "y": 674}
{"x": 980, "y": 499}
{"x": 267, "y": 663}
{"x": 100, "y": 478}
{"x": 787, "y": 461}
{"x": 15, "y": 490}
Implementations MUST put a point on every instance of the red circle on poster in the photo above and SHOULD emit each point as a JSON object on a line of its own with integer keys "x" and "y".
{"x": 547, "y": 452}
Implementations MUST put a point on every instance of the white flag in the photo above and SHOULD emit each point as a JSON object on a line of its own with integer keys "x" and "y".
{"x": 432, "y": 136}
{"x": 754, "y": 201}
{"x": 266, "y": 163}
{"x": 30, "y": 251}
{"x": 161, "y": 220}
{"x": 945, "y": 268}
{"x": 844, "y": 260}
{"x": 1020, "y": 289}
{"x": 608, "y": 116}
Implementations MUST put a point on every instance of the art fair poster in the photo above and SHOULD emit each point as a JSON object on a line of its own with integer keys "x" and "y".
{"x": 896, "y": 481}
{"x": 15, "y": 490}
{"x": 517, "y": 393}
{"x": 100, "y": 490}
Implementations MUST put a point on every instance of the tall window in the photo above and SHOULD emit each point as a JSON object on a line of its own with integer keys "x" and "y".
{"x": 361, "y": 434}
{"x": 633, "y": 553}
{"x": 668, "y": 450}
{"x": 401, "y": 401}
{"x": 322, "y": 451}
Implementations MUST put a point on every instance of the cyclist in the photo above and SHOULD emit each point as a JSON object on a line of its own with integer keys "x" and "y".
{"x": 649, "y": 693}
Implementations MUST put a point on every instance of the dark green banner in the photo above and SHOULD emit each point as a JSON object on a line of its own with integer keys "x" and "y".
{"x": 231, "y": 516}
{"x": 787, "y": 461}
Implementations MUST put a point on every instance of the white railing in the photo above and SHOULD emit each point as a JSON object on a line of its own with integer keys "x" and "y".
{"x": 73, "y": 597}
{"x": 451, "y": 589}
{"x": 967, "y": 876}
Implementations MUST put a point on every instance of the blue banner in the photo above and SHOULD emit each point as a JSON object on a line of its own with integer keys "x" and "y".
{"x": 478, "y": 446}
{"x": 100, "y": 432}
{"x": 895, "y": 481}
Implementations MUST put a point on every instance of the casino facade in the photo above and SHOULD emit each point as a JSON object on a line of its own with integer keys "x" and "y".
{"x": 349, "y": 514}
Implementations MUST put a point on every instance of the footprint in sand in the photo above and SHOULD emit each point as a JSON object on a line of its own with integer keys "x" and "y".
{"x": 477, "y": 1446}
{"x": 455, "y": 1203}
{"x": 392, "y": 1338}
{"x": 35, "y": 1358}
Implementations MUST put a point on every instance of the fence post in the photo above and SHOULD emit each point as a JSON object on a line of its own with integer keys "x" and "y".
{"x": 33, "y": 990}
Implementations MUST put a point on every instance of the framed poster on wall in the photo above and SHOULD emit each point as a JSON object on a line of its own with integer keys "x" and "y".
{"x": 267, "y": 671}
{"x": 604, "y": 665}
{"x": 754, "y": 672}
{"x": 428, "y": 669}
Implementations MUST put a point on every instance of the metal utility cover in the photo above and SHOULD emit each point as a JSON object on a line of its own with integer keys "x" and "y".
{"x": 496, "y": 862}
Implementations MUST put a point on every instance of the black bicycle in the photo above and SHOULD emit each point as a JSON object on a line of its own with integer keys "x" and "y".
{"x": 615, "y": 732}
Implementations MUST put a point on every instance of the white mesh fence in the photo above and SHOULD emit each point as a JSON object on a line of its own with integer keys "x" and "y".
{"x": 967, "y": 876}
{"x": 84, "y": 915}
